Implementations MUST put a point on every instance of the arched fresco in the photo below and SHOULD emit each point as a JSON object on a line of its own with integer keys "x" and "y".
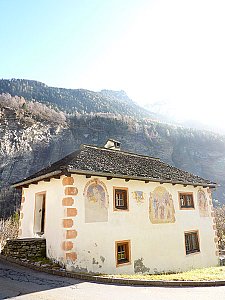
{"x": 96, "y": 201}
{"x": 202, "y": 203}
{"x": 161, "y": 208}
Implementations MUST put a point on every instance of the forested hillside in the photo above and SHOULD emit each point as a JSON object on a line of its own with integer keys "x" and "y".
{"x": 74, "y": 101}
{"x": 33, "y": 135}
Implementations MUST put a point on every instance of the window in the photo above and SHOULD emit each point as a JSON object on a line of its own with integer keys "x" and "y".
{"x": 121, "y": 198}
{"x": 122, "y": 252}
{"x": 191, "y": 242}
{"x": 186, "y": 200}
{"x": 39, "y": 213}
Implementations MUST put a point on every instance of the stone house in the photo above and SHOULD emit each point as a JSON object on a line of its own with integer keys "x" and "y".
{"x": 110, "y": 211}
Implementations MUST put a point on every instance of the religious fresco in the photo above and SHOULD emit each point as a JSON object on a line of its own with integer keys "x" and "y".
{"x": 139, "y": 196}
{"x": 96, "y": 201}
{"x": 161, "y": 208}
{"x": 202, "y": 203}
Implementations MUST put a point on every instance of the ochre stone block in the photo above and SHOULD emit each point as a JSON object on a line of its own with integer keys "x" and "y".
{"x": 71, "y": 234}
{"x": 67, "y": 223}
{"x": 67, "y": 245}
{"x": 21, "y": 216}
{"x": 67, "y": 201}
{"x": 68, "y": 181}
{"x": 71, "y": 212}
{"x": 22, "y": 199}
{"x": 71, "y": 256}
{"x": 216, "y": 239}
{"x": 70, "y": 190}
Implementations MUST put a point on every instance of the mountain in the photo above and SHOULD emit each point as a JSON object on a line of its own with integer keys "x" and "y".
{"x": 176, "y": 114}
{"x": 76, "y": 100}
{"x": 34, "y": 134}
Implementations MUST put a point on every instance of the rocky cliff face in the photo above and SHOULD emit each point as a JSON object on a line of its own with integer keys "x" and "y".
{"x": 24, "y": 148}
{"x": 28, "y": 143}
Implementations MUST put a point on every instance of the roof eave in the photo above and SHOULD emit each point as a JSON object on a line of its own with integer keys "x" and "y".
{"x": 36, "y": 179}
{"x": 109, "y": 175}
{"x": 102, "y": 174}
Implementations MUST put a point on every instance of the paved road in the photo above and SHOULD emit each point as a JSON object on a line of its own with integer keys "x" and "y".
{"x": 19, "y": 283}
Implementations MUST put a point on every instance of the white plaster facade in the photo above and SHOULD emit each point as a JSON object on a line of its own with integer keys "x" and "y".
{"x": 159, "y": 247}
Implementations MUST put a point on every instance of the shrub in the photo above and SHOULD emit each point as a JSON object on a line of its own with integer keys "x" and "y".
{"x": 9, "y": 229}
{"x": 220, "y": 225}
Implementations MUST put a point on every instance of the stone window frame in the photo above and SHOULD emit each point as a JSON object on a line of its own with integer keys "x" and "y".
{"x": 190, "y": 248}
{"x": 186, "y": 207}
{"x": 125, "y": 250}
{"x": 123, "y": 191}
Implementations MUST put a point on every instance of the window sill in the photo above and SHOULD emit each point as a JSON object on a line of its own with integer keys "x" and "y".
{"x": 193, "y": 253}
{"x": 123, "y": 264}
{"x": 120, "y": 209}
{"x": 187, "y": 208}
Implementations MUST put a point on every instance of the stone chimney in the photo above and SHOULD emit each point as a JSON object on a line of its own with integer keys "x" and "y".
{"x": 112, "y": 144}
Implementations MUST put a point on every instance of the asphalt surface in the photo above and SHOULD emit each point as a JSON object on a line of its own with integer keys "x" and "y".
{"x": 18, "y": 282}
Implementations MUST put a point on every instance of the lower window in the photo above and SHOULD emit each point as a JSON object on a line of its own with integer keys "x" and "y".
{"x": 122, "y": 252}
{"x": 191, "y": 242}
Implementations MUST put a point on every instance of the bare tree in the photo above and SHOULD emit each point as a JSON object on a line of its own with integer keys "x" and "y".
{"x": 37, "y": 109}
{"x": 8, "y": 229}
{"x": 220, "y": 225}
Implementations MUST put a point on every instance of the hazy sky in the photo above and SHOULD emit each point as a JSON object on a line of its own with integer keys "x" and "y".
{"x": 162, "y": 50}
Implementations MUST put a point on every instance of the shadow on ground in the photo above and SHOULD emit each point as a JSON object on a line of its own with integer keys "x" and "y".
{"x": 17, "y": 280}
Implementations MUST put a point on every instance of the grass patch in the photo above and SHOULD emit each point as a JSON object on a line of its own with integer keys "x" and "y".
{"x": 213, "y": 273}
{"x": 43, "y": 261}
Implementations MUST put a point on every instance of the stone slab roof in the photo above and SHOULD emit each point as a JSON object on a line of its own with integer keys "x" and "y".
{"x": 92, "y": 160}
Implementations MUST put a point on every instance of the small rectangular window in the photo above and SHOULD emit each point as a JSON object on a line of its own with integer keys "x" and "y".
{"x": 122, "y": 252}
{"x": 191, "y": 242}
{"x": 186, "y": 200}
{"x": 121, "y": 198}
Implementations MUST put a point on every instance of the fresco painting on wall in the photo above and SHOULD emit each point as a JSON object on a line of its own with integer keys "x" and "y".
{"x": 202, "y": 204}
{"x": 96, "y": 201}
{"x": 161, "y": 208}
{"x": 139, "y": 196}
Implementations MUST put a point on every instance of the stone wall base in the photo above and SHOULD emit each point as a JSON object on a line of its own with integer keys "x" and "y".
{"x": 25, "y": 248}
